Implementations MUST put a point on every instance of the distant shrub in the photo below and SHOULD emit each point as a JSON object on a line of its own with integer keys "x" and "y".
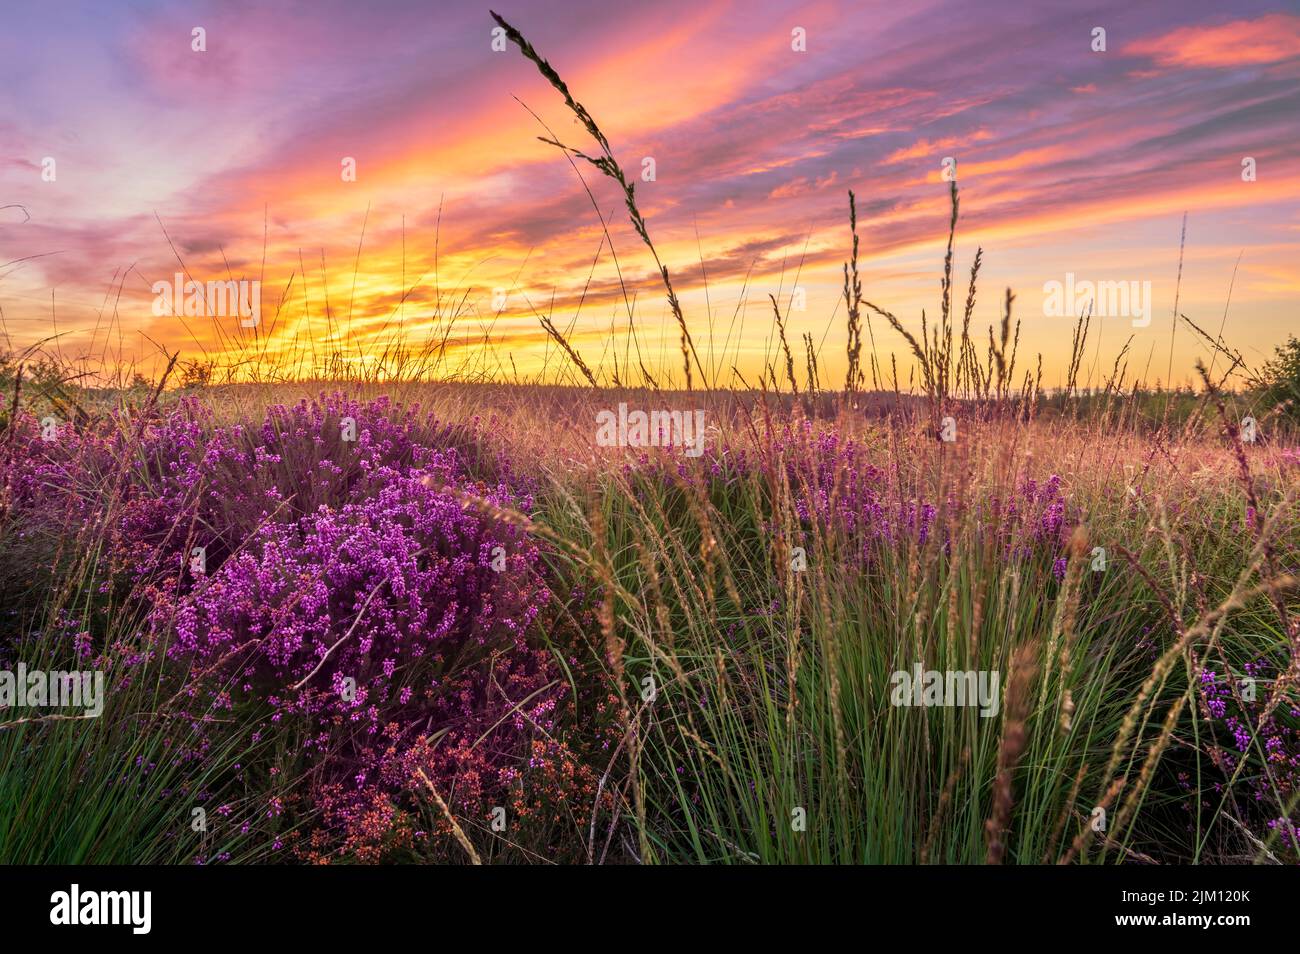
{"x": 1281, "y": 377}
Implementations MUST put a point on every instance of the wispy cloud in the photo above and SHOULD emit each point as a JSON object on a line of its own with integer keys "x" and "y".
{"x": 1272, "y": 38}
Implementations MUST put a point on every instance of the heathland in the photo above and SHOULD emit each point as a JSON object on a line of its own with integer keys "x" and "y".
{"x": 408, "y": 617}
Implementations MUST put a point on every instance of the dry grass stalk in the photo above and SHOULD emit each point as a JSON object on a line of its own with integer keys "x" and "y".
{"x": 1014, "y": 735}
{"x": 456, "y": 830}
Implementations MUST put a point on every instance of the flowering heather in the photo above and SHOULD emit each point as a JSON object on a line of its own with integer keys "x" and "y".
{"x": 843, "y": 484}
{"x": 350, "y": 599}
{"x": 1240, "y": 724}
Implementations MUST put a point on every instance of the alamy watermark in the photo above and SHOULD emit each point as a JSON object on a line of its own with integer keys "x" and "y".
{"x": 952, "y": 687}
{"x": 74, "y": 907}
{"x": 1110, "y": 299}
{"x": 228, "y": 299}
{"x": 651, "y": 429}
{"x": 25, "y": 688}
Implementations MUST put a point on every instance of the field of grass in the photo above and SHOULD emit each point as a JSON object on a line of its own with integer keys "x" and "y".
{"x": 679, "y": 659}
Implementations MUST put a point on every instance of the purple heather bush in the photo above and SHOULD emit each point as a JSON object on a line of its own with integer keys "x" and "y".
{"x": 357, "y": 596}
{"x": 840, "y": 484}
{"x": 1242, "y": 723}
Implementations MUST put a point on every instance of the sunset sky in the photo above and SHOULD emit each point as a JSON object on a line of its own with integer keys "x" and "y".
{"x": 1068, "y": 161}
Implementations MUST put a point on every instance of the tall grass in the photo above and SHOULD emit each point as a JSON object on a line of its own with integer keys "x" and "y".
{"x": 117, "y": 788}
{"x": 759, "y": 713}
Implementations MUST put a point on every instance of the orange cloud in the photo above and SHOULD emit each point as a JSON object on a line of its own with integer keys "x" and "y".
{"x": 1026, "y": 159}
{"x": 924, "y": 147}
{"x": 1269, "y": 39}
{"x": 802, "y": 186}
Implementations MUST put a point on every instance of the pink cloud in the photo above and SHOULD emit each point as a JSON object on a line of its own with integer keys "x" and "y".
{"x": 1268, "y": 39}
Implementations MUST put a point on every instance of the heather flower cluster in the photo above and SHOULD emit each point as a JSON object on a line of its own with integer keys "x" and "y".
{"x": 1241, "y": 724}
{"x": 838, "y": 484}
{"x": 355, "y": 598}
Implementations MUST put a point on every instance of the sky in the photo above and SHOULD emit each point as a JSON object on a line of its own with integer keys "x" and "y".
{"x": 128, "y": 156}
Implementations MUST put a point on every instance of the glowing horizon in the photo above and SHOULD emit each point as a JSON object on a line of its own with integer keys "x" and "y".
{"x": 1070, "y": 162}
